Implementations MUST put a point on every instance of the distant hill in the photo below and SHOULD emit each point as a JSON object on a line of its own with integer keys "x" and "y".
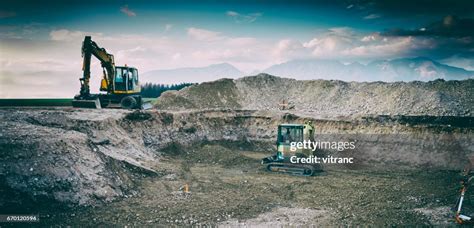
{"x": 192, "y": 74}
{"x": 405, "y": 69}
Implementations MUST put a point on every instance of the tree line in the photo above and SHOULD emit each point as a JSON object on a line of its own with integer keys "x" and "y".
{"x": 152, "y": 90}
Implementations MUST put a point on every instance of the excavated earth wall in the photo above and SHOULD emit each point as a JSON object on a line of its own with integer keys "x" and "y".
{"x": 87, "y": 157}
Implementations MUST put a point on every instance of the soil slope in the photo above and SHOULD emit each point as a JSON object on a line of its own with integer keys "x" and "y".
{"x": 327, "y": 98}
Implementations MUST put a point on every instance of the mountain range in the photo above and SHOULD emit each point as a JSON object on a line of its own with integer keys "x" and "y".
{"x": 192, "y": 74}
{"x": 404, "y": 69}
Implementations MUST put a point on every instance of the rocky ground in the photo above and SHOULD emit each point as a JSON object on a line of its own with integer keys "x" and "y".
{"x": 228, "y": 188}
{"x": 130, "y": 168}
{"x": 104, "y": 167}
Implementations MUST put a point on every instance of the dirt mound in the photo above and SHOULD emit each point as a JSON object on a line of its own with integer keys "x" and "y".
{"x": 218, "y": 94}
{"x": 60, "y": 156}
{"x": 327, "y": 98}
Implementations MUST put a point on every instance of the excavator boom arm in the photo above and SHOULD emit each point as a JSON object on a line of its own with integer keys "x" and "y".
{"x": 89, "y": 49}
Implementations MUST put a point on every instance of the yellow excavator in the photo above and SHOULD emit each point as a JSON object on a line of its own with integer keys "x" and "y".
{"x": 119, "y": 82}
{"x": 283, "y": 160}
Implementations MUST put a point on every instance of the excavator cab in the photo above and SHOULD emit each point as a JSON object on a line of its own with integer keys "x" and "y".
{"x": 126, "y": 80}
{"x": 288, "y": 133}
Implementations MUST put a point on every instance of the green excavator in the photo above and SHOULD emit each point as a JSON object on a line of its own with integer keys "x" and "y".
{"x": 281, "y": 161}
{"x": 120, "y": 83}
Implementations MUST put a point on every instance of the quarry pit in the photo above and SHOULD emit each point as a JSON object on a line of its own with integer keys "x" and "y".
{"x": 184, "y": 164}
{"x": 130, "y": 167}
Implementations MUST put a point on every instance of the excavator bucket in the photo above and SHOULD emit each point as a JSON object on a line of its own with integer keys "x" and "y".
{"x": 78, "y": 103}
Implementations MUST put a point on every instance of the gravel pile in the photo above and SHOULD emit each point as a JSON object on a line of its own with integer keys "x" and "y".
{"x": 327, "y": 98}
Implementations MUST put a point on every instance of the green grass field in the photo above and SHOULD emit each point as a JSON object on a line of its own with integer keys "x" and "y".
{"x": 36, "y": 102}
{"x": 43, "y": 102}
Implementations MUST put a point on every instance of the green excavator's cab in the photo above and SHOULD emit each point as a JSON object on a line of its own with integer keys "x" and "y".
{"x": 288, "y": 133}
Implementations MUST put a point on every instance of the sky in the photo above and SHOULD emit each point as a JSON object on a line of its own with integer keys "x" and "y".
{"x": 40, "y": 40}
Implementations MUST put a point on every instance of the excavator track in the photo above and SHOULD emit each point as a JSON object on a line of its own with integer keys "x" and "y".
{"x": 293, "y": 169}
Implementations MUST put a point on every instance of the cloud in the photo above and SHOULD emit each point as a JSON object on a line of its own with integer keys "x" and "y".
{"x": 176, "y": 56}
{"x": 132, "y": 51}
{"x": 146, "y": 52}
{"x": 212, "y": 36}
{"x": 440, "y": 39}
{"x": 68, "y": 35}
{"x": 243, "y": 18}
{"x": 371, "y": 37}
{"x": 7, "y": 14}
{"x": 220, "y": 48}
{"x": 449, "y": 26}
{"x": 341, "y": 31}
{"x": 347, "y": 44}
{"x": 385, "y": 49}
{"x": 232, "y": 14}
{"x": 57, "y": 58}
{"x": 241, "y": 41}
{"x": 203, "y": 34}
{"x": 288, "y": 49}
{"x": 372, "y": 16}
{"x": 20, "y": 31}
{"x": 124, "y": 9}
{"x": 168, "y": 27}
{"x": 427, "y": 71}
{"x": 37, "y": 84}
{"x": 460, "y": 61}
{"x": 202, "y": 47}
{"x": 414, "y": 9}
